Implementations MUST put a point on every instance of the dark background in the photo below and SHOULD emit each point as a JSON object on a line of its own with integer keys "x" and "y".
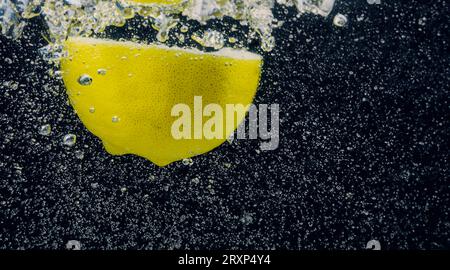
{"x": 364, "y": 150}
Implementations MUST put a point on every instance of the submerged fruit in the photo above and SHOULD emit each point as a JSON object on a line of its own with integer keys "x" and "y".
{"x": 128, "y": 105}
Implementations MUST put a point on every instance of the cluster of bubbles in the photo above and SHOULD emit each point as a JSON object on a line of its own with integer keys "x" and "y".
{"x": 67, "y": 140}
{"x": 87, "y": 17}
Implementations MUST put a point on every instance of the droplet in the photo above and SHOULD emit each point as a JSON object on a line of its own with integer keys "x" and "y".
{"x": 115, "y": 119}
{"x": 45, "y": 130}
{"x": 340, "y": 20}
{"x": 85, "y": 80}
{"x": 69, "y": 139}
{"x": 101, "y": 71}
{"x": 92, "y": 109}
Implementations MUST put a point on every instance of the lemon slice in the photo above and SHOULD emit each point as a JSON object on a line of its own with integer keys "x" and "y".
{"x": 124, "y": 93}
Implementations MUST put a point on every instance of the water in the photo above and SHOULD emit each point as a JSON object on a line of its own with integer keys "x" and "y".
{"x": 362, "y": 161}
{"x": 89, "y": 17}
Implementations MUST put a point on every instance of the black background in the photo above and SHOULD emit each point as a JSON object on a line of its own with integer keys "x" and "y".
{"x": 364, "y": 150}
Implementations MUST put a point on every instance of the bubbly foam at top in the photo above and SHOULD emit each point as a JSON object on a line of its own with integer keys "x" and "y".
{"x": 87, "y": 17}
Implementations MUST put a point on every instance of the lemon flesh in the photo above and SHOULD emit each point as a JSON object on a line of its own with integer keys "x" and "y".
{"x": 133, "y": 88}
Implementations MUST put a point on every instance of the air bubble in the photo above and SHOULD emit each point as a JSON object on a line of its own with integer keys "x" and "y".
{"x": 128, "y": 13}
{"x": 69, "y": 140}
{"x": 373, "y": 245}
{"x": 45, "y": 130}
{"x": 184, "y": 29}
{"x": 210, "y": 39}
{"x": 73, "y": 245}
{"x": 163, "y": 24}
{"x": 101, "y": 71}
{"x": 188, "y": 162}
{"x": 340, "y": 20}
{"x": 85, "y": 80}
{"x": 79, "y": 154}
{"x": 268, "y": 43}
{"x": 115, "y": 119}
{"x": 195, "y": 180}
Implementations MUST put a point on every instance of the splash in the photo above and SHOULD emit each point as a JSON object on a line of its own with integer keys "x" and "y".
{"x": 65, "y": 18}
